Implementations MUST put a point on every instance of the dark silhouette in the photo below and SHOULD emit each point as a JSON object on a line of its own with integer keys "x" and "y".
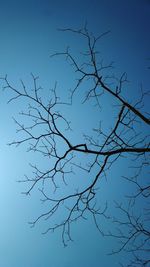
{"x": 105, "y": 148}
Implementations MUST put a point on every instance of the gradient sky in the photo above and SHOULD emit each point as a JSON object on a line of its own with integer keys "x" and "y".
{"x": 28, "y": 36}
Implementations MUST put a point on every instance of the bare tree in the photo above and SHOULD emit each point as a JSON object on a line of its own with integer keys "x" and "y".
{"x": 127, "y": 136}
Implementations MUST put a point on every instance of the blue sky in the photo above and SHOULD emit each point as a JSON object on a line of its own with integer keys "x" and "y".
{"x": 29, "y": 35}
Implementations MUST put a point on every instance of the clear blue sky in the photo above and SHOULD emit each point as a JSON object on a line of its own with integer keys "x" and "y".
{"x": 28, "y": 36}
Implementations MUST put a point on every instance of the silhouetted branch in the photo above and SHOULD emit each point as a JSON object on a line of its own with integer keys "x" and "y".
{"x": 49, "y": 133}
